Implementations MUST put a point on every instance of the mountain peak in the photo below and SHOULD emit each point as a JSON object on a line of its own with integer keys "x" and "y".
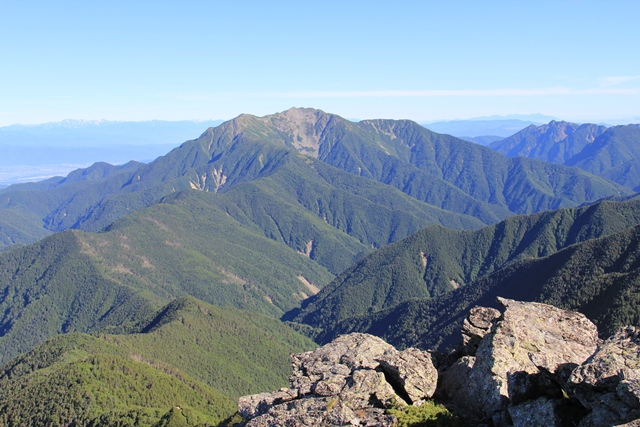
{"x": 299, "y": 112}
{"x": 296, "y": 116}
{"x": 299, "y": 128}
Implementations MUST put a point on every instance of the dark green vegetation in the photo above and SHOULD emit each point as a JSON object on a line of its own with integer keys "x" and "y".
{"x": 133, "y": 379}
{"x": 80, "y": 282}
{"x": 599, "y": 278}
{"x": 409, "y": 291}
{"x": 612, "y": 153}
{"x": 429, "y": 414}
{"x": 106, "y": 390}
{"x": 181, "y": 417}
{"x": 52, "y": 287}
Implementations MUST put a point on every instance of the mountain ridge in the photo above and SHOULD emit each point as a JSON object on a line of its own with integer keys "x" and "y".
{"x": 578, "y": 277}
{"x": 436, "y": 261}
{"x": 462, "y": 177}
{"x": 192, "y": 355}
{"x": 240, "y": 217}
{"x": 608, "y": 152}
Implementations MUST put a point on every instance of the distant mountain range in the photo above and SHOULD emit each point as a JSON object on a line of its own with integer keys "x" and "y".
{"x": 613, "y": 153}
{"x": 304, "y": 148}
{"x": 539, "y": 118}
{"x": 102, "y": 133}
{"x": 493, "y": 127}
{"x": 482, "y": 140}
{"x": 36, "y": 152}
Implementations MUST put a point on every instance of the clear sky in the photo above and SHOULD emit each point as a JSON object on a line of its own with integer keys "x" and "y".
{"x": 422, "y": 60}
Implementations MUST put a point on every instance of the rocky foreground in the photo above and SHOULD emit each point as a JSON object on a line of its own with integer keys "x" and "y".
{"x": 530, "y": 364}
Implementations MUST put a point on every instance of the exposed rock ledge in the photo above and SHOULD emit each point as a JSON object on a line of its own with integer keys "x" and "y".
{"x": 530, "y": 365}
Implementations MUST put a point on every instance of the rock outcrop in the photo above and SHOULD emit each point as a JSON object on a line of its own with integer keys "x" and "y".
{"x": 609, "y": 382}
{"x": 529, "y": 364}
{"x": 530, "y": 347}
{"x": 350, "y": 381}
{"x": 477, "y": 324}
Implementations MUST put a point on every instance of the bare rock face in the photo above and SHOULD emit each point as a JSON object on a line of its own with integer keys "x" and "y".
{"x": 350, "y": 381}
{"x": 336, "y": 361}
{"x": 411, "y": 371}
{"x": 257, "y": 404}
{"x": 521, "y": 357}
{"x": 541, "y": 412}
{"x": 476, "y": 325}
{"x": 317, "y": 412}
{"x": 456, "y": 376}
{"x": 608, "y": 383}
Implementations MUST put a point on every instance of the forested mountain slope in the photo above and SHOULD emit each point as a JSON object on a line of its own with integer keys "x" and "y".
{"x": 437, "y": 260}
{"x": 258, "y": 213}
{"x": 612, "y": 153}
{"x": 557, "y": 141}
{"x": 191, "y": 355}
{"x": 599, "y": 277}
{"x": 77, "y": 281}
{"x": 27, "y": 210}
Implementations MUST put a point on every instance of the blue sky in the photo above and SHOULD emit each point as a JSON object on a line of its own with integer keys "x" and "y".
{"x": 422, "y": 60}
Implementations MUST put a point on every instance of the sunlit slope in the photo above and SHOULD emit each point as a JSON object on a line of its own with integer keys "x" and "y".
{"x": 192, "y": 355}
{"x": 75, "y": 281}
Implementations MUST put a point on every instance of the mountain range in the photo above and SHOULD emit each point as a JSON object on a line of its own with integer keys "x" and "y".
{"x": 440, "y": 173}
{"x": 612, "y": 153}
{"x": 155, "y": 289}
{"x": 488, "y": 127}
{"x": 257, "y": 213}
{"x": 416, "y": 292}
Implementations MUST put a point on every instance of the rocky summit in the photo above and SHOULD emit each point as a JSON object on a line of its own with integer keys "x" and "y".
{"x": 528, "y": 364}
{"x": 350, "y": 381}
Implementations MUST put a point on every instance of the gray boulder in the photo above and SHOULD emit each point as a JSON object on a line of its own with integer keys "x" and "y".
{"x": 530, "y": 365}
{"x": 456, "y": 376}
{"x": 258, "y": 404}
{"x": 412, "y": 372}
{"x": 518, "y": 359}
{"x": 336, "y": 361}
{"x": 541, "y": 412}
{"x": 608, "y": 383}
{"x": 475, "y": 326}
{"x": 343, "y": 383}
{"x": 315, "y": 412}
